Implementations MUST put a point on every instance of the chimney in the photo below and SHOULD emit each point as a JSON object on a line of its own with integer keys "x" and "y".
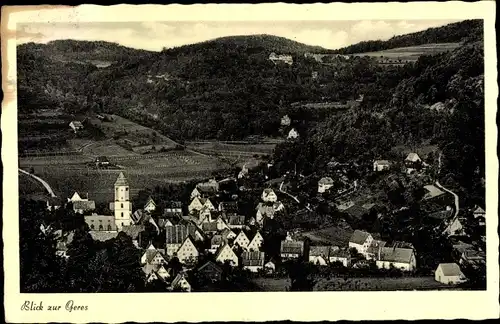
{"x": 379, "y": 248}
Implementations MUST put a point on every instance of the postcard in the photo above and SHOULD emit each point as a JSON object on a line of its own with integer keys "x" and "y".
{"x": 243, "y": 162}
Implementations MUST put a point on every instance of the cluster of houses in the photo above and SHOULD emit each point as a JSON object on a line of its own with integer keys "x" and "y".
{"x": 286, "y": 125}
{"x": 412, "y": 163}
{"x": 281, "y": 58}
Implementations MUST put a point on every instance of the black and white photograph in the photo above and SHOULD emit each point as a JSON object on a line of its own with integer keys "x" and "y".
{"x": 251, "y": 156}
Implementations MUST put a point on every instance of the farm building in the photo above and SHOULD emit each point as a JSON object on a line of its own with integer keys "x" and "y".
{"x": 449, "y": 273}
{"x": 381, "y": 165}
{"x": 324, "y": 184}
{"x": 293, "y": 134}
{"x": 400, "y": 258}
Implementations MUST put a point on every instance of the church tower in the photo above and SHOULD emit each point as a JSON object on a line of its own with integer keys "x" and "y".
{"x": 123, "y": 206}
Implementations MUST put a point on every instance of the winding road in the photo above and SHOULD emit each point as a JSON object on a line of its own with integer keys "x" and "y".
{"x": 43, "y": 182}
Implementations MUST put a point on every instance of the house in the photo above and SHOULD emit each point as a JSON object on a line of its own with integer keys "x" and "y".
{"x": 314, "y": 75}
{"x": 177, "y": 234}
{"x": 340, "y": 255}
{"x": 228, "y": 207}
{"x": 283, "y": 58}
{"x": 180, "y": 283}
{"x": 236, "y": 221}
{"x": 62, "y": 244}
{"x": 442, "y": 215}
{"x": 76, "y": 125}
{"x": 241, "y": 240}
{"x": 150, "y": 205}
{"x": 198, "y": 203}
{"x": 449, "y": 273}
{"x": 205, "y": 189}
{"x": 413, "y": 161}
{"x": 141, "y": 217}
{"x": 285, "y": 121}
{"x": 293, "y": 134}
{"x": 324, "y": 184}
{"x": 479, "y": 212}
{"x": 480, "y": 215}
{"x": 319, "y": 255}
{"x": 253, "y": 261}
{"x": 101, "y": 222}
{"x": 216, "y": 242}
{"x": 267, "y": 210}
{"x": 152, "y": 256}
{"x": 381, "y": 165}
{"x": 215, "y": 226}
{"x": 152, "y": 277}
{"x": 164, "y": 222}
{"x": 211, "y": 271}
{"x": 155, "y": 272}
{"x": 204, "y": 215}
{"x": 163, "y": 273}
{"x": 400, "y": 258}
{"x": 270, "y": 267}
{"x": 173, "y": 207}
{"x": 268, "y": 195}
{"x": 225, "y": 253}
{"x": 76, "y": 197}
{"x": 83, "y": 206}
{"x": 101, "y": 161}
{"x": 473, "y": 257}
{"x": 360, "y": 241}
{"x": 256, "y": 242}
{"x": 291, "y": 249}
{"x": 188, "y": 253}
{"x": 454, "y": 227}
{"x": 227, "y": 234}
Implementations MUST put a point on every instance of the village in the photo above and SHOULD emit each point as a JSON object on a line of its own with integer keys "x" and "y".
{"x": 212, "y": 231}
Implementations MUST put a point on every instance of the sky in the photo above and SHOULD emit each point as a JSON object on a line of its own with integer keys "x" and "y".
{"x": 154, "y": 36}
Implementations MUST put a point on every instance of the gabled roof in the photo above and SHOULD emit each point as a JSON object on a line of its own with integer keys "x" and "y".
{"x": 212, "y": 265}
{"x": 121, "y": 180}
{"x": 450, "y": 269}
{"x": 253, "y": 258}
{"x": 149, "y": 268}
{"x": 479, "y": 210}
{"x": 413, "y": 157}
{"x": 85, "y": 205}
{"x": 217, "y": 240}
{"x": 382, "y": 162}
{"x": 340, "y": 253}
{"x": 401, "y": 255}
{"x": 151, "y": 254}
{"x": 442, "y": 214}
{"x": 150, "y": 201}
{"x": 326, "y": 181}
{"x": 177, "y": 279}
{"x": 225, "y": 233}
{"x": 241, "y": 233}
{"x": 221, "y": 249}
{"x": 209, "y": 227}
{"x": 359, "y": 237}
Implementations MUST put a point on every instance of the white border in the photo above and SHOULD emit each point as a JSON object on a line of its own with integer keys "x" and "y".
{"x": 300, "y": 306}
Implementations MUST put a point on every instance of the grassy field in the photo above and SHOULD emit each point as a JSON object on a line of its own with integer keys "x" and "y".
{"x": 272, "y": 284}
{"x": 412, "y": 52}
{"x": 380, "y": 284}
{"x": 266, "y": 148}
{"x": 29, "y": 186}
{"x": 68, "y": 174}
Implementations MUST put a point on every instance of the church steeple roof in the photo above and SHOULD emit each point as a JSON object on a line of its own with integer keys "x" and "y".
{"x": 121, "y": 180}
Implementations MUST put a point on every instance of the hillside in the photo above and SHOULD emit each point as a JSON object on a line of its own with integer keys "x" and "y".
{"x": 98, "y": 53}
{"x": 464, "y": 31}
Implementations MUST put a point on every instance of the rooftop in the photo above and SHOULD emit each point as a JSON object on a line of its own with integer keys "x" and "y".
{"x": 359, "y": 237}
{"x": 450, "y": 269}
{"x": 121, "y": 180}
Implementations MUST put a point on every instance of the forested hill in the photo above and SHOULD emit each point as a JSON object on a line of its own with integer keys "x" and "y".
{"x": 253, "y": 44}
{"x": 83, "y": 51}
{"x": 464, "y": 31}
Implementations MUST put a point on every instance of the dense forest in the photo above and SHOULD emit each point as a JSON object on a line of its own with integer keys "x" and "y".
{"x": 464, "y": 31}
